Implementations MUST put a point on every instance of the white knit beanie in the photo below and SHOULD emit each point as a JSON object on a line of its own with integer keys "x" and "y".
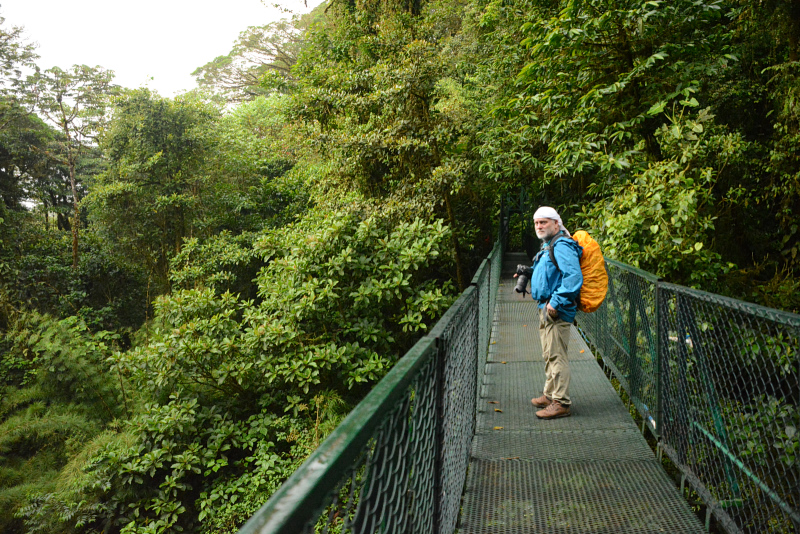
{"x": 546, "y": 212}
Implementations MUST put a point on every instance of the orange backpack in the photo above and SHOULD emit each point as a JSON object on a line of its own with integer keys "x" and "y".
{"x": 593, "y": 267}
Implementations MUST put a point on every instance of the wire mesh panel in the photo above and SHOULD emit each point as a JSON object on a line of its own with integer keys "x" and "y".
{"x": 718, "y": 381}
{"x": 374, "y": 495}
{"x": 457, "y": 335}
{"x": 487, "y": 280}
{"x": 731, "y": 402}
{"x": 482, "y": 281}
{"x": 624, "y": 330}
{"x": 496, "y": 260}
{"x": 396, "y": 483}
{"x": 423, "y": 453}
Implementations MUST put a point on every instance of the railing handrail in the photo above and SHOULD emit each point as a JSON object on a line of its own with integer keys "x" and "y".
{"x": 773, "y": 314}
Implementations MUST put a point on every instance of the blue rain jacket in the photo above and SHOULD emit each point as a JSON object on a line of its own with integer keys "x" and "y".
{"x": 560, "y": 287}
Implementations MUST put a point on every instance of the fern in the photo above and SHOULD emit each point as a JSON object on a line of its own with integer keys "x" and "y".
{"x": 73, "y": 476}
{"x": 14, "y": 498}
{"x": 13, "y": 399}
{"x": 42, "y": 428}
{"x": 56, "y": 401}
{"x": 73, "y": 368}
{"x": 51, "y": 513}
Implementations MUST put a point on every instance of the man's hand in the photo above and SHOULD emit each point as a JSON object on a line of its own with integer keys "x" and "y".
{"x": 551, "y": 311}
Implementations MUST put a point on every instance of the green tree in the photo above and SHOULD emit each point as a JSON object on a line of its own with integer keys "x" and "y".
{"x": 590, "y": 80}
{"x": 234, "y": 393}
{"x": 252, "y": 167}
{"x": 258, "y": 50}
{"x": 764, "y": 90}
{"x": 22, "y": 159}
{"x": 269, "y": 51}
{"x": 152, "y": 195}
{"x": 15, "y": 56}
{"x": 74, "y": 101}
{"x": 381, "y": 87}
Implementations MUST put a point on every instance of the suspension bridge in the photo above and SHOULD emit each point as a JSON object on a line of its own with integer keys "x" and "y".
{"x": 448, "y": 440}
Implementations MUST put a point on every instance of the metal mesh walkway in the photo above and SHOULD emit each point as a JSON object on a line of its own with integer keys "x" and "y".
{"x": 591, "y": 472}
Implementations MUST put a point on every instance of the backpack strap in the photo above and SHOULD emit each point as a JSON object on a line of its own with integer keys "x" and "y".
{"x": 552, "y": 253}
{"x": 555, "y": 262}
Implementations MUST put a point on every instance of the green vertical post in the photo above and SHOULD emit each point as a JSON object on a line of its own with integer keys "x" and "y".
{"x": 617, "y": 313}
{"x": 605, "y": 334}
{"x": 661, "y": 339}
{"x": 651, "y": 345}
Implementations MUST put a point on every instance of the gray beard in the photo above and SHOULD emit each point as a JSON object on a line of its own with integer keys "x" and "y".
{"x": 544, "y": 238}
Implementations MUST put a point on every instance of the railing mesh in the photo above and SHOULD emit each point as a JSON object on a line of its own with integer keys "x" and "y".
{"x": 482, "y": 281}
{"x": 389, "y": 485}
{"x": 731, "y": 397}
{"x": 624, "y": 330}
{"x": 717, "y": 380}
{"x": 459, "y": 349}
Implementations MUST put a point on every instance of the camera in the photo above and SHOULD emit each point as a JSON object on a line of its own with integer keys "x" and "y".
{"x": 524, "y": 274}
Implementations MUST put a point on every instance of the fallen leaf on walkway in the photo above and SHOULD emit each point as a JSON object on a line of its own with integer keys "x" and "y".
{"x": 498, "y": 428}
{"x": 498, "y": 410}
{"x": 503, "y": 362}
{"x": 582, "y": 351}
{"x": 511, "y": 458}
{"x": 494, "y": 402}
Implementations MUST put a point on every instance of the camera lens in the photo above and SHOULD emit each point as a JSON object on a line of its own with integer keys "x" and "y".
{"x": 522, "y": 284}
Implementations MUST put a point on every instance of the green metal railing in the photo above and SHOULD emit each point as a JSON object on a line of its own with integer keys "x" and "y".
{"x": 398, "y": 462}
{"x": 717, "y": 381}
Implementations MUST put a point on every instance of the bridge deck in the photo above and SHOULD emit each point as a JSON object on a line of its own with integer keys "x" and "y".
{"x": 591, "y": 472}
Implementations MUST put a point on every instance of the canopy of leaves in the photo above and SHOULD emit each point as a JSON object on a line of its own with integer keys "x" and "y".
{"x": 260, "y": 61}
{"x": 16, "y": 56}
{"x": 227, "y": 383}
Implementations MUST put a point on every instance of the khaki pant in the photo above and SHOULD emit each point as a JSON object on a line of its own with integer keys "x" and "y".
{"x": 554, "y": 335}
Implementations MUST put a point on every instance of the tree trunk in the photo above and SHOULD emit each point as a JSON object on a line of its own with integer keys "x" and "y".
{"x": 794, "y": 29}
{"x": 76, "y": 214}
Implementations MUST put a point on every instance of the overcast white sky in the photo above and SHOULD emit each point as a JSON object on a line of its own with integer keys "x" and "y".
{"x": 157, "y": 43}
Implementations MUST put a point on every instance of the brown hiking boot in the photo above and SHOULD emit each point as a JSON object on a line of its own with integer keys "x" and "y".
{"x": 541, "y": 402}
{"x": 553, "y": 411}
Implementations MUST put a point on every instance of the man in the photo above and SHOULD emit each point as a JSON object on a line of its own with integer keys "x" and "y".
{"x": 556, "y": 288}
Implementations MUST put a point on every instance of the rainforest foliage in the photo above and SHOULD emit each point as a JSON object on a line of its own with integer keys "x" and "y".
{"x": 195, "y": 290}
